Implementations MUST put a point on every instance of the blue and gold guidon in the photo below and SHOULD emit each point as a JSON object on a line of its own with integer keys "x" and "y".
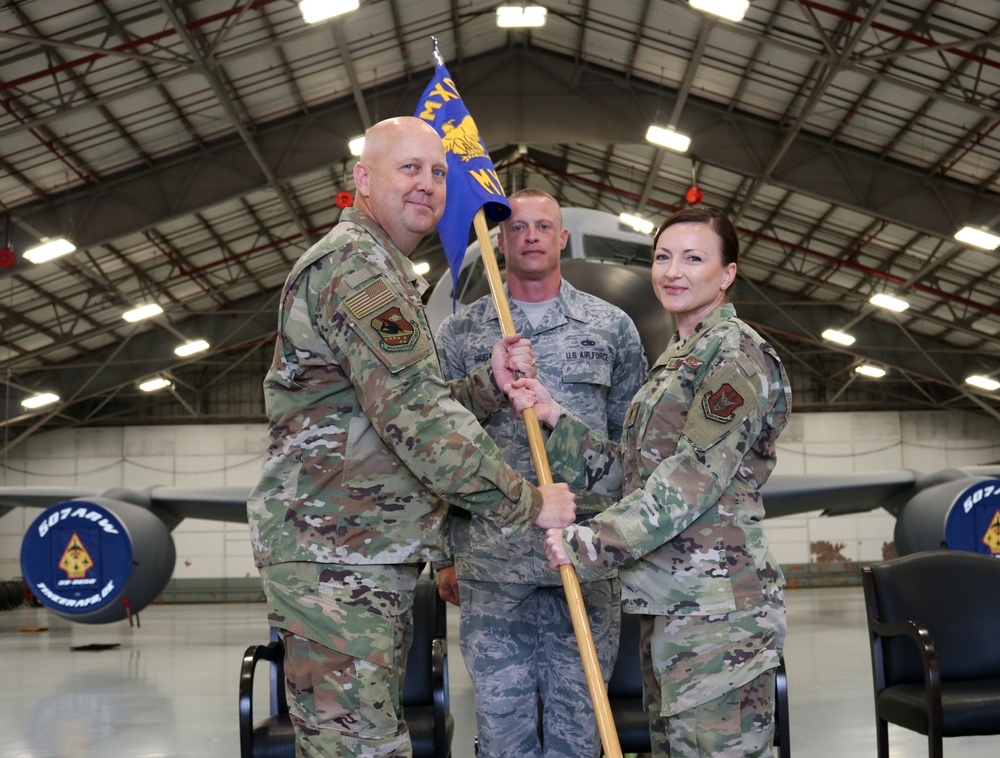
{"x": 472, "y": 179}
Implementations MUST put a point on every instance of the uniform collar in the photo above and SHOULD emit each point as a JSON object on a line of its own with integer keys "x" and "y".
{"x": 568, "y": 299}
{"x": 676, "y": 348}
{"x": 403, "y": 264}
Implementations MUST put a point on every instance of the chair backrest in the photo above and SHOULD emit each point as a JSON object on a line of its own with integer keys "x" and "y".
{"x": 626, "y": 676}
{"x": 430, "y": 621}
{"x": 952, "y": 594}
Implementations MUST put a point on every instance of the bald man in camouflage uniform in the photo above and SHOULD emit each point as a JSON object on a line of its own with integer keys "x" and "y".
{"x": 517, "y": 637}
{"x": 368, "y": 444}
{"x": 687, "y": 538}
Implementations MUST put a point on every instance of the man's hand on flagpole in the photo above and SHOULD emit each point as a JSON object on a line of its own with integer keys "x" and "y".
{"x": 512, "y": 357}
{"x": 558, "y": 506}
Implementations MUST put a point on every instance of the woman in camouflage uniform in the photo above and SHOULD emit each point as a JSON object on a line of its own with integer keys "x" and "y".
{"x": 698, "y": 444}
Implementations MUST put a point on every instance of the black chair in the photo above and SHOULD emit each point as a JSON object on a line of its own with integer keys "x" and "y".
{"x": 625, "y": 696}
{"x": 934, "y": 628}
{"x": 424, "y": 696}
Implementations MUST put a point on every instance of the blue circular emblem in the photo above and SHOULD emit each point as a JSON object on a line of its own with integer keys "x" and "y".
{"x": 973, "y": 521}
{"x": 77, "y": 557}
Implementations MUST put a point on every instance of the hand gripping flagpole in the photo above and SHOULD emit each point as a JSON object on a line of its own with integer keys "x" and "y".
{"x": 571, "y": 583}
{"x": 474, "y": 189}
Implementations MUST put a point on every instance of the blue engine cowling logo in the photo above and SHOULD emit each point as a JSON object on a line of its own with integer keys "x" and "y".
{"x": 77, "y": 557}
{"x": 973, "y": 521}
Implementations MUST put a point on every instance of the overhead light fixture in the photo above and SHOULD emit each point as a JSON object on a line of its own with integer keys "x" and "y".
{"x": 977, "y": 238}
{"x": 320, "y": 10}
{"x": 734, "y": 10}
{"x": 983, "y": 382}
{"x": 889, "y": 302}
{"x": 423, "y": 268}
{"x": 866, "y": 369}
{"x": 517, "y": 16}
{"x": 49, "y": 250}
{"x": 668, "y": 138}
{"x": 640, "y": 224}
{"x": 190, "y": 348}
{"x": 152, "y": 385}
{"x": 37, "y": 401}
{"x": 841, "y": 338}
{"x": 356, "y": 145}
{"x": 142, "y": 311}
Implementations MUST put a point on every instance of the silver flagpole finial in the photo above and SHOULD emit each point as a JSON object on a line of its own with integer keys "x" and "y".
{"x": 437, "y": 53}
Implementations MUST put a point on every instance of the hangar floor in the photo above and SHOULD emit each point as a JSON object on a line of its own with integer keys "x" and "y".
{"x": 169, "y": 689}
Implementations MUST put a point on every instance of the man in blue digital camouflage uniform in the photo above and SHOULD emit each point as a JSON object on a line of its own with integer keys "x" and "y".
{"x": 368, "y": 446}
{"x": 516, "y": 633}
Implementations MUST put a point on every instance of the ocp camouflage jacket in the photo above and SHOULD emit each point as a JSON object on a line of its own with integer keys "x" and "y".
{"x": 368, "y": 442}
{"x": 698, "y": 444}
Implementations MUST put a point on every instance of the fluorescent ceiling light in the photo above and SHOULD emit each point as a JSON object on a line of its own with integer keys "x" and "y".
{"x": 983, "y": 382}
{"x": 889, "y": 302}
{"x": 977, "y": 238}
{"x": 190, "y": 348}
{"x": 873, "y": 371}
{"x": 422, "y": 268}
{"x": 514, "y": 16}
{"x": 641, "y": 225}
{"x": 734, "y": 10}
{"x": 49, "y": 250}
{"x": 37, "y": 401}
{"x": 320, "y": 10}
{"x": 151, "y": 385}
{"x": 142, "y": 311}
{"x": 839, "y": 337}
{"x": 356, "y": 145}
{"x": 668, "y": 138}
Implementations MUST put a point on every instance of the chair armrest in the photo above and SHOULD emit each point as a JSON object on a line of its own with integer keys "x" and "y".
{"x": 274, "y": 653}
{"x": 928, "y": 656}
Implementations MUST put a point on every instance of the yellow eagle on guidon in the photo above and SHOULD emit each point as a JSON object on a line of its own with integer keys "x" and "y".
{"x": 463, "y": 140}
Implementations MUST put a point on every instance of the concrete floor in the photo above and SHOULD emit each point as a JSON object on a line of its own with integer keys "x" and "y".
{"x": 169, "y": 688}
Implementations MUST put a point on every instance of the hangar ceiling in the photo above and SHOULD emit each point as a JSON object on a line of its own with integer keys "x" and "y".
{"x": 192, "y": 151}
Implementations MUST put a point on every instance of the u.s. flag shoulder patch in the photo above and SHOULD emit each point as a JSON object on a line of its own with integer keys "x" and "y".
{"x": 369, "y": 299}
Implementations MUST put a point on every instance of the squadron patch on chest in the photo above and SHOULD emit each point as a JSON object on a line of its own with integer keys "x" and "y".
{"x": 396, "y": 333}
{"x": 721, "y": 404}
{"x": 369, "y": 299}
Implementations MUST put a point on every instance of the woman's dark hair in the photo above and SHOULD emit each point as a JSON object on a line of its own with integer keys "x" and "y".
{"x": 719, "y": 223}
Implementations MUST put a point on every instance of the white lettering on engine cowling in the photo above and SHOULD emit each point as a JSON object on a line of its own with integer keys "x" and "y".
{"x": 79, "y": 512}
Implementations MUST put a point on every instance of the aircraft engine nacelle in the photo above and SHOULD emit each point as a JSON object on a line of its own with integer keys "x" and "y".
{"x": 94, "y": 560}
{"x": 963, "y": 514}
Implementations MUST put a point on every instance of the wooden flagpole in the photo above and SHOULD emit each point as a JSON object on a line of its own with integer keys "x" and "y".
{"x": 571, "y": 583}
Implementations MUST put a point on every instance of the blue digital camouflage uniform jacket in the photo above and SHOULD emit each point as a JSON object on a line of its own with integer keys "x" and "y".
{"x": 588, "y": 353}
{"x": 699, "y": 443}
{"x": 368, "y": 441}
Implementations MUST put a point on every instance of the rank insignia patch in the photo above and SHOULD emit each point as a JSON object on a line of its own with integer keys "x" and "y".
{"x": 691, "y": 361}
{"x": 722, "y": 404}
{"x": 395, "y": 332}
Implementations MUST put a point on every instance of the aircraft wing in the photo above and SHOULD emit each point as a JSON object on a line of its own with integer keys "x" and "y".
{"x": 212, "y": 503}
{"x": 39, "y": 497}
{"x": 834, "y": 494}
